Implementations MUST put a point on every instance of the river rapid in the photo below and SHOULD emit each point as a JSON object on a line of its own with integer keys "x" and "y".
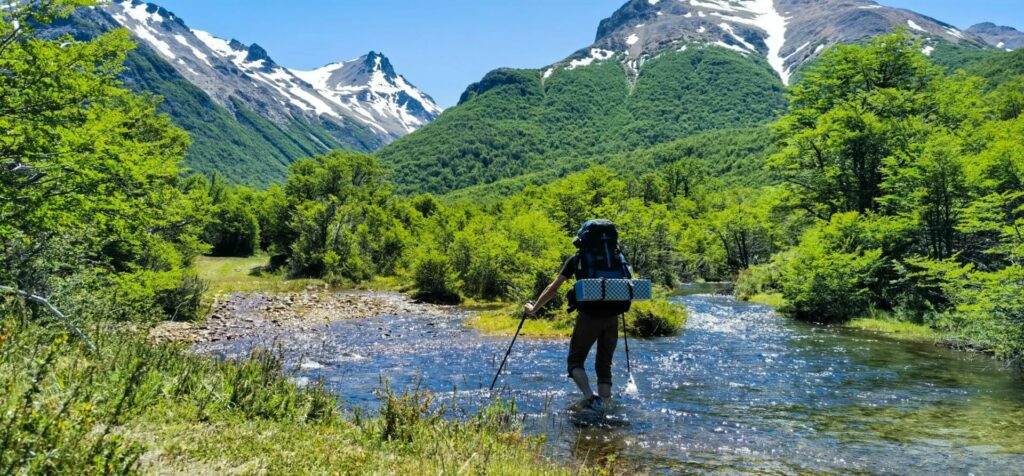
{"x": 741, "y": 390}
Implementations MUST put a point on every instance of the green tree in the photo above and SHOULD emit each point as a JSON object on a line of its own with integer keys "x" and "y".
{"x": 90, "y": 192}
{"x": 853, "y": 109}
{"x": 342, "y": 221}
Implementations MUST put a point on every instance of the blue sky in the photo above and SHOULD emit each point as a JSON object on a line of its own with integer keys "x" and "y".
{"x": 443, "y": 46}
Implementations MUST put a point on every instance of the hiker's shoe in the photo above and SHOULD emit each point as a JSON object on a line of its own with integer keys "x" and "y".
{"x": 596, "y": 404}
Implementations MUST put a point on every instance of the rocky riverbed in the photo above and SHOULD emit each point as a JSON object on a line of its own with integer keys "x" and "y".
{"x": 246, "y": 315}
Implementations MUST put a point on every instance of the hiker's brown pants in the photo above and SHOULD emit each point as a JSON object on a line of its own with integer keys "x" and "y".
{"x": 589, "y": 329}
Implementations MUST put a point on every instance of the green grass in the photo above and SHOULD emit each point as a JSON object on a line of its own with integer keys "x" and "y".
{"x": 139, "y": 407}
{"x": 227, "y": 275}
{"x": 902, "y": 330}
{"x": 768, "y": 299}
{"x": 877, "y": 321}
{"x": 890, "y": 324}
{"x": 504, "y": 321}
{"x": 246, "y": 275}
{"x": 645, "y": 319}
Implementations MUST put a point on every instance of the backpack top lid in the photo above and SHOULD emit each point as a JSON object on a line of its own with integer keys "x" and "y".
{"x": 596, "y": 233}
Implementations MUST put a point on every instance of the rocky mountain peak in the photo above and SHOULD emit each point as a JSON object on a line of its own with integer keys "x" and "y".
{"x": 1005, "y": 37}
{"x": 257, "y": 53}
{"x": 378, "y": 62}
{"x": 371, "y": 87}
{"x": 366, "y": 91}
{"x": 786, "y": 33}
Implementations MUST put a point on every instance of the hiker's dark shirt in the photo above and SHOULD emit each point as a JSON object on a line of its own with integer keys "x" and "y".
{"x": 569, "y": 268}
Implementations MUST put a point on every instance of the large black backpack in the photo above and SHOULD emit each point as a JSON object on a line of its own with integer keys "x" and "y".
{"x": 599, "y": 256}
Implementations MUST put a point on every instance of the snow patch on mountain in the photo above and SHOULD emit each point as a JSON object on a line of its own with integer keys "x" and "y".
{"x": 365, "y": 91}
{"x": 787, "y": 33}
{"x": 596, "y": 54}
{"x": 139, "y": 20}
{"x": 774, "y": 25}
{"x": 1002, "y": 37}
{"x": 369, "y": 87}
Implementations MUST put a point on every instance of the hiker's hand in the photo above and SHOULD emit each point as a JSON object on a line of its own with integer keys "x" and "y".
{"x": 529, "y": 309}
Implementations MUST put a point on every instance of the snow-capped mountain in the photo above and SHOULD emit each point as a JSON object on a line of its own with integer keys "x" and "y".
{"x": 786, "y": 32}
{"x": 369, "y": 88}
{"x": 366, "y": 91}
{"x": 1004, "y": 37}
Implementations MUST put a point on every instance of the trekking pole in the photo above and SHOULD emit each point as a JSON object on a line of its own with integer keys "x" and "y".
{"x": 509, "y": 351}
{"x": 625, "y": 339}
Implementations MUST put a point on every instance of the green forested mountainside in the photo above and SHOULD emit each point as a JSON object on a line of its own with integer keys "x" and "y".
{"x": 244, "y": 147}
{"x": 239, "y": 144}
{"x": 734, "y": 156}
{"x": 953, "y": 56}
{"x": 514, "y": 124}
{"x": 1000, "y": 68}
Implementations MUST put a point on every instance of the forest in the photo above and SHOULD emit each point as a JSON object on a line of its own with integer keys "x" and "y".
{"x": 890, "y": 186}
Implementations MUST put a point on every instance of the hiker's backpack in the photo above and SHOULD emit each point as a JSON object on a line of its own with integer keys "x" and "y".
{"x": 599, "y": 256}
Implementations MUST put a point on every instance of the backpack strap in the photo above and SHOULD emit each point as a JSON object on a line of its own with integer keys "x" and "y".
{"x": 581, "y": 268}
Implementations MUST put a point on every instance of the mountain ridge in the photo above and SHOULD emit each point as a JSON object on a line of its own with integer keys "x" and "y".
{"x": 248, "y": 116}
{"x": 230, "y": 68}
{"x": 1002, "y": 37}
{"x": 788, "y": 33}
{"x": 672, "y": 58}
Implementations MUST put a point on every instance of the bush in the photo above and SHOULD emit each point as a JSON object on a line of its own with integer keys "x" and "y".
{"x": 824, "y": 286}
{"x": 403, "y": 416}
{"x": 184, "y": 301}
{"x": 761, "y": 279}
{"x": 235, "y": 230}
{"x": 655, "y": 318}
{"x": 435, "y": 280}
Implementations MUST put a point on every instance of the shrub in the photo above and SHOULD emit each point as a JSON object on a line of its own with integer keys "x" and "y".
{"x": 235, "y": 230}
{"x": 760, "y": 279}
{"x": 435, "y": 280}
{"x": 655, "y": 318}
{"x": 826, "y": 286}
{"x": 184, "y": 301}
{"x": 403, "y": 415}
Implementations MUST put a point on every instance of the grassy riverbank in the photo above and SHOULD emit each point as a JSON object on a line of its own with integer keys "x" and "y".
{"x": 645, "y": 319}
{"x": 138, "y": 407}
{"x": 885, "y": 323}
{"x": 876, "y": 321}
{"x": 250, "y": 274}
{"x": 503, "y": 322}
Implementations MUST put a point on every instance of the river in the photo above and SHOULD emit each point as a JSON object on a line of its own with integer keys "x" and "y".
{"x": 741, "y": 390}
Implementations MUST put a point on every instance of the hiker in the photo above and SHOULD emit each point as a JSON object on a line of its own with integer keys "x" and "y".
{"x": 598, "y": 256}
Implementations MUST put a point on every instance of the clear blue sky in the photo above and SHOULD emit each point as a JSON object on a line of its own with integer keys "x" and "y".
{"x": 442, "y": 46}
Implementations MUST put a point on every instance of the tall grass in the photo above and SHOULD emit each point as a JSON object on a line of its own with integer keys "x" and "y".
{"x": 138, "y": 407}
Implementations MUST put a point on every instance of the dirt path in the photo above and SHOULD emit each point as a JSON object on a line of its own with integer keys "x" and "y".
{"x": 245, "y": 315}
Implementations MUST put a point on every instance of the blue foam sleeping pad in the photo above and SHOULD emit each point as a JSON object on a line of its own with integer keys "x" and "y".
{"x": 613, "y": 290}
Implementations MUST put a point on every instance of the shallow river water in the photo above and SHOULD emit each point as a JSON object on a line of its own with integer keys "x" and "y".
{"x": 742, "y": 390}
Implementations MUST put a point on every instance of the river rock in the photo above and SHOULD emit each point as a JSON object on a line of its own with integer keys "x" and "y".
{"x": 250, "y": 315}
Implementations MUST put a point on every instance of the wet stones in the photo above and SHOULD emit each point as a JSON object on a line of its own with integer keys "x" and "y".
{"x": 249, "y": 315}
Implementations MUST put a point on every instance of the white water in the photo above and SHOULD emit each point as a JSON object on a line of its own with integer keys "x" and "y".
{"x": 631, "y": 389}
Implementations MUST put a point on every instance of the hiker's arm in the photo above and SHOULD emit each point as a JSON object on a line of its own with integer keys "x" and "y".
{"x": 546, "y": 296}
